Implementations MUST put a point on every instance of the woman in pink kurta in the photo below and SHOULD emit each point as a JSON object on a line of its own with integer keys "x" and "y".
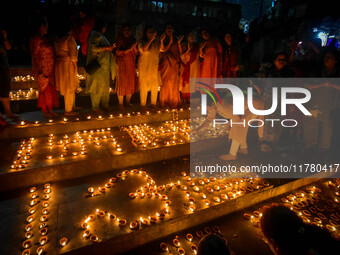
{"x": 42, "y": 52}
{"x": 169, "y": 69}
{"x": 126, "y": 60}
{"x": 211, "y": 53}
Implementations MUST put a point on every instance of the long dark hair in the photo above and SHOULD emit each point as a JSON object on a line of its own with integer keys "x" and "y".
{"x": 36, "y": 23}
{"x": 99, "y": 25}
{"x": 145, "y": 38}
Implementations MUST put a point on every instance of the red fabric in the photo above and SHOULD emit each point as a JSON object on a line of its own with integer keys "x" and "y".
{"x": 43, "y": 71}
{"x": 230, "y": 62}
{"x": 48, "y": 98}
{"x": 85, "y": 30}
{"x": 186, "y": 70}
{"x": 126, "y": 72}
{"x": 211, "y": 64}
{"x": 186, "y": 96}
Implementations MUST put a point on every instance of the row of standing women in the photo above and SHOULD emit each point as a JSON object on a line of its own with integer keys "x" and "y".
{"x": 166, "y": 62}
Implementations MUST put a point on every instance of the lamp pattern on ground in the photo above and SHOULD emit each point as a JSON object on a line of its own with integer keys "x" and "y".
{"x": 31, "y": 93}
{"x": 315, "y": 204}
{"x": 36, "y": 238}
{"x": 194, "y": 194}
{"x": 59, "y": 147}
{"x": 72, "y": 146}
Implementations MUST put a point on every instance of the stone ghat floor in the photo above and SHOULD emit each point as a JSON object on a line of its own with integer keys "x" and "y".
{"x": 316, "y": 204}
{"x": 70, "y": 205}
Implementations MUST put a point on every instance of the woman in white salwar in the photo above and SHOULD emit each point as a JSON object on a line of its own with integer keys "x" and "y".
{"x": 66, "y": 57}
{"x": 148, "y": 66}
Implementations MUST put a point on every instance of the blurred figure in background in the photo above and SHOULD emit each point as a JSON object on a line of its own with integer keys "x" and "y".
{"x": 66, "y": 67}
{"x": 126, "y": 61}
{"x": 148, "y": 65}
{"x": 231, "y": 59}
{"x": 42, "y": 52}
{"x": 5, "y": 78}
{"x": 318, "y": 128}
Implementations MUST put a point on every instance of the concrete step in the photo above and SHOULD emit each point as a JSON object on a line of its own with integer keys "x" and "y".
{"x": 87, "y": 120}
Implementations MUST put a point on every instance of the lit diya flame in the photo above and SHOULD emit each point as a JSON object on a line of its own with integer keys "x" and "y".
{"x": 31, "y": 210}
{"x": 189, "y": 237}
{"x": 217, "y": 199}
{"x": 153, "y": 219}
{"x": 63, "y": 241}
{"x": 29, "y": 219}
{"x": 43, "y": 240}
{"x": 43, "y": 231}
{"x": 90, "y": 190}
{"x": 207, "y": 202}
{"x": 94, "y": 238}
{"x": 40, "y": 250}
{"x": 43, "y": 225}
{"x": 28, "y": 235}
{"x": 224, "y": 196}
{"x": 144, "y": 221}
{"x": 46, "y": 196}
{"x": 47, "y": 191}
{"x": 134, "y": 225}
{"x": 176, "y": 242}
{"x": 46, "y": 204}
{"x": 26, "y": 252}
{"x": 33, "y": 202}
{"x": 194, "y": 248}
{"x": 45, "y": 211}
{"x": 183, "y": 187}
{"x": 100, "y": 213}
{"x": 43, "y": 218}
{"x": 33, "y": 189}
{"x": 27, "y": 244}
{"x": 87, "y": 233}
{"x": 122, "y": 222}
{"x": 181, "y": 251}
{"x": 203, "y": 195}
{"x": 164, "y": 247}
{"x": 28, "y": 227}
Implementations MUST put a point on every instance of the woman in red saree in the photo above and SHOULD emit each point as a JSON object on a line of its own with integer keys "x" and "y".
{"x": 211, "y": 53}
{"x": 169, "y": 69}
{"x": 190, "y": 65}
{"x": 126, "y": 60}
{"x": 42, "y": 52}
